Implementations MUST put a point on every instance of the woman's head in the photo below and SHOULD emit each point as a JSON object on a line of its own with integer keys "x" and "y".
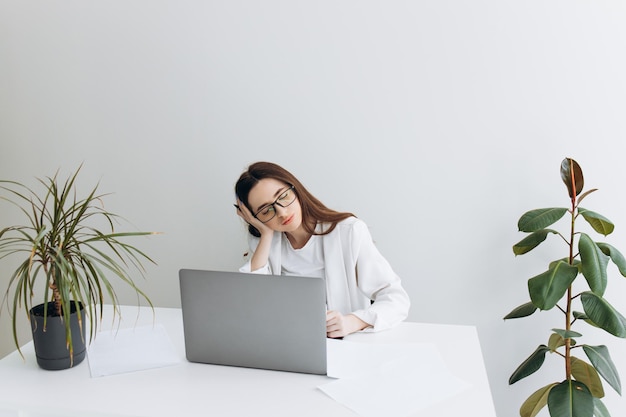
{"x": 312, "y": 210}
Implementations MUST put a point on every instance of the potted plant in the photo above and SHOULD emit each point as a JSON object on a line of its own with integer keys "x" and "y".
{"x": 71, "y": 244}
{"x": 580, "y": 393}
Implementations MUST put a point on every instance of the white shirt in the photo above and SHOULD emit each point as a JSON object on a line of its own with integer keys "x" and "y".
{"x": 307, "y": 261}
{"x": 356, "y": 273}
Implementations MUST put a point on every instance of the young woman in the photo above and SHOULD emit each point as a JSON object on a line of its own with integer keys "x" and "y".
{"x": 293, "y": 233}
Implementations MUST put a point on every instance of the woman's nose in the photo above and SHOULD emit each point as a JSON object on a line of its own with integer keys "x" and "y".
{"x": 280, "y": 211}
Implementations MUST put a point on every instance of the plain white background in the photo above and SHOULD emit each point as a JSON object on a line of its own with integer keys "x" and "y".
{"x": 437, "y": 122}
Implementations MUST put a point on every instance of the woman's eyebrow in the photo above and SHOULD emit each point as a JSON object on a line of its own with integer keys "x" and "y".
{"x": 276, "y": 194}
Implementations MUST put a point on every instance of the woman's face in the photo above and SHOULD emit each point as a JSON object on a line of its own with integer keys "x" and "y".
{"x": 267, "y": 195}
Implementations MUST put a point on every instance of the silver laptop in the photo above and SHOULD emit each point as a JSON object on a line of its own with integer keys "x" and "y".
{"x": 255, "y": 321}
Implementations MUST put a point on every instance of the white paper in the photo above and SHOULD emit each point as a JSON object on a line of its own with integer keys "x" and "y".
{"x": 24, "y": 410}
{"x": 350, "y": 359}
{"x": 380, "y": 380}
{"x": 130, "y": 350}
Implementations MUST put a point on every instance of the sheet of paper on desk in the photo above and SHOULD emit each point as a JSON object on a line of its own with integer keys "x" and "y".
{"x": 380, "y": 380}
{"x": 25, "y": 410}
{"x": 130, "y": 350}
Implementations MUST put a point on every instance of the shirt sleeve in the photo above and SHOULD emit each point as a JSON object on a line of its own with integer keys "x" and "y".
{"x": 377, "y": 280}
{"x": 247, "y": 267}
{"x": 265, "y": 270}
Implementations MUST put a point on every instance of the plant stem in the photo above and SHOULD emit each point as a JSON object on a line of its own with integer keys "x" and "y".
{"x": 56, "y": 295}
{"x": 568, "y": 346}
{"x": 57, "y": 299}
{"x": 568, "y": 311}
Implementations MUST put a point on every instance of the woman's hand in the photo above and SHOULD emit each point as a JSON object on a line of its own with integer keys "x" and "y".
{"x": 338, "y": 325}
{"x": 246, "y": 215}
{"x": 262, "y": 253}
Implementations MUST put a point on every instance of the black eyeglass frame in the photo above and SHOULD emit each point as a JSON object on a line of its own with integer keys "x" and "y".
{"x": 276, "y": 203}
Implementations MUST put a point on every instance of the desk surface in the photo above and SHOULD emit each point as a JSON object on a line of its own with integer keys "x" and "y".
{"x": 190, "y": 389}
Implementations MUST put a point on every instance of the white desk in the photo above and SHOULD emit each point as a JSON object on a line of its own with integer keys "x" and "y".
{"x": 190, "y": 389}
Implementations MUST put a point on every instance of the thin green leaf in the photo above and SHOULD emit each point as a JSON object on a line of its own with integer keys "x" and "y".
{"x": 582, "y": 196}
{"x": 536, "y": 402}
{"x": 615, "y": 255}
{"x": 588, "y": 375}
{"x": 538, "y": 219}
{"x": 530, "y": 365}
{"x": 572, "y": 176}
{"x": 531, "y": 241}
{"x": 598, "y": 222}
{"x": 570, "y": 399}
{"x": 600, "y": 358}
{"x": 603, "y": 314}
{"x": 548, "y": 288}
{"x": 594, "y": 263}
{"x": 524, "y": 310}
{"x": 57, "y": 240}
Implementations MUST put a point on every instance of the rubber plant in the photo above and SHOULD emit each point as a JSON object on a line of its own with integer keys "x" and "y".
{"x": 586, "y": 365}
{"x": 71, "y": 244}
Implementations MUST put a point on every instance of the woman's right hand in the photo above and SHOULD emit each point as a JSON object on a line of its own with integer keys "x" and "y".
{"x": 261, "y": 254}
{"x": 246, "y": 215}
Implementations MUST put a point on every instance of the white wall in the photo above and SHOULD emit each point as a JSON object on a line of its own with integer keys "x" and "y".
{"x": 437, "y": 122}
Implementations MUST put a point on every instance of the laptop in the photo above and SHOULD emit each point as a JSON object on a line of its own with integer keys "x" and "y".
{"x": 254, "y": 321}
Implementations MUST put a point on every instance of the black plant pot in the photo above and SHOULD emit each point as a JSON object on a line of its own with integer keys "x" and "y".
{"x": 50, "y": 343}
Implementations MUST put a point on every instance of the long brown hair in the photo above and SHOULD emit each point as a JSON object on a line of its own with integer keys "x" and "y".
{"x": 313, "y": 210}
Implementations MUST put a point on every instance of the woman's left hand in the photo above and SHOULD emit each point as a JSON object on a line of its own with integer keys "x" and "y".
{"x": 338, "y": 325}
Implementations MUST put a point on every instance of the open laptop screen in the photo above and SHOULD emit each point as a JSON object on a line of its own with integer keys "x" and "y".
{"x": 256, "y": 321}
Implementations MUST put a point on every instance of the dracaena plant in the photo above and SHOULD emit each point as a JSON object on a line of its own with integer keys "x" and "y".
{"x": 69, "y": 245}
{"x": 585, "y": 365}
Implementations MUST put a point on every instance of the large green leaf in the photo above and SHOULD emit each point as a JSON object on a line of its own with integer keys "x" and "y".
{"x": 535, "y": 403}
{"x": 548, "y": 288}
{"x": 524, "y": 310}
{"x": 615, "y": 255}
{"x": 599, "y": 409}
{"x": 594, "y": 263}
{"x": 531, "y": 241}
{"x": 600, "y": 358}
{"x": 572, "y": 176}
{"x": 599, "y": 223}
{"x": 570, "y": 399}
{"x": 588, "y": 375}
{"x": 530, "y": 365}
{"x": 603, "y": 314}
{"x": 538, "y": 219}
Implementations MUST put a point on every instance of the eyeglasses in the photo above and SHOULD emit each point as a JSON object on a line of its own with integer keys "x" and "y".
{"x": 268, "y": 212}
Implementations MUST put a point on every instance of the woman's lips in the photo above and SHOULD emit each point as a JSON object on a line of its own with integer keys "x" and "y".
{"x": 289, "y": 220}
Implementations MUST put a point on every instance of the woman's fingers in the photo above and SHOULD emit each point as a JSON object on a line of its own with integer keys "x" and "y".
{"x": 248, "y": 217}
{"x": 243, "y": 212}
{"x": 334, "y": 324}
{"x": 338, "y": 325}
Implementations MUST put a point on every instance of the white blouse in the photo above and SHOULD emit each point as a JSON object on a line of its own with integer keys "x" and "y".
{"x": 356, "y": 274}
{"x": 307, "y": 261}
